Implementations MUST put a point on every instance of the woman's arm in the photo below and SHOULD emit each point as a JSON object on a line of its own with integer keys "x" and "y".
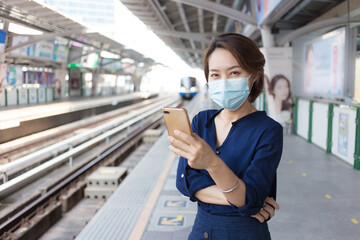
{"x": 211, "y": 195}
{"x": 200, "y": 156}
{"x": 255, "y": 182}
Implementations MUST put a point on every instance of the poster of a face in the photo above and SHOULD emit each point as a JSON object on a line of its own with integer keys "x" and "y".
{"x": 263, "y": 8}
{"x": 324, "y": 64}
{"x": 278, "y": 83}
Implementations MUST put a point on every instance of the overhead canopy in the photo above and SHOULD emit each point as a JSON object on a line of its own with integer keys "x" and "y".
{"x": 53, "y": 24}
{"x": 187, "y": 26}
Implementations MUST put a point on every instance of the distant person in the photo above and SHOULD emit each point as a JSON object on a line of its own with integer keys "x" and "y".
{"x": 58, "y": 88}
{"x": 228, "y": 165}
{"x": 279, "y": 91}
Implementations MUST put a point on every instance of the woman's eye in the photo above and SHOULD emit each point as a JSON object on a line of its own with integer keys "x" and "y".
{"x": 234, "y": 73}
{"x": 214, "y": 75}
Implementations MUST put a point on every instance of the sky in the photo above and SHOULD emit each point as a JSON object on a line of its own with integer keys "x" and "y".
{"x": 131, "y": 32}
{"x": 136, "y": 35}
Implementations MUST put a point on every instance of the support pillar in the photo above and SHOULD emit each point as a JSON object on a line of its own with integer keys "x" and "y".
{"x": 267, "y": 37}
{"x": 296, "y": 115}
{"x": 310, "y": 121}
{"x": 357, "y": 141}
{"x": 329, "y": 133}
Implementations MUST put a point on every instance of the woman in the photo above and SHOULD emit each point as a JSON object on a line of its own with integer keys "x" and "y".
{"x": 280, "y": 94}
{"x": 229, "y": 164}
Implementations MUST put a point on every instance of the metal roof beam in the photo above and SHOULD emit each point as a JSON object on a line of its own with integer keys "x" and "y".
{"x": 236, "y": 5}
{"x": 215, "y": 20}
{"x": 221, "y": 9}
{"x": 199, "y": 51}
{"x": 31, "y": 8}
{"x": 201, "y": 37}
{"x": 15, "y": 2}
{"x": 333, "y": 22}
{"x": 186, "y": 25}
{"x": 43, "y": 37}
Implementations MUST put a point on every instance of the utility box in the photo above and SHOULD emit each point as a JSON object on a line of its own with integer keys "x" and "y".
{"x": 104, "y": 181}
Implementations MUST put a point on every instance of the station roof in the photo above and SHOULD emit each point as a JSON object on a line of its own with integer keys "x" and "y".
{"x": 187, "y": 26}
{"x": 54, "y": 24}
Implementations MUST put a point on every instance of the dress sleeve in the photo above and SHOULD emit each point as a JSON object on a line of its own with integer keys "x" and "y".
{"x": 260, "y": 176}
{"x": 189, "y": 180}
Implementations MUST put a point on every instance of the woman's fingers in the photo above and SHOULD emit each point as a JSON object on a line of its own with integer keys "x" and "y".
{"x": 179, "y": 152}
{"x": 259, "y": 217}
{"x": 178, "y": 144}
{"x": 270, "y": 210}
{"x": 184, "y": 137}
{"x": 272, "y": 203}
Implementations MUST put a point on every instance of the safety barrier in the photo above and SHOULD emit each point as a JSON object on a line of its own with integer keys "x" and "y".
{"x": 331, "y": 125}
{"x": 23, "y": 96}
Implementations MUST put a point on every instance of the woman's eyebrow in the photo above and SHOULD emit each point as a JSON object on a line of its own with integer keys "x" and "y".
{"x": 235, "y": 66}
{"x": 230, "y": 68}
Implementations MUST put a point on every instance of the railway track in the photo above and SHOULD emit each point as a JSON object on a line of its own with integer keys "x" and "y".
{"x": 24, "y": 221}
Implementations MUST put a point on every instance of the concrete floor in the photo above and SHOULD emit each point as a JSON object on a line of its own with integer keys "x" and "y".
{"x": 318, "y": 194}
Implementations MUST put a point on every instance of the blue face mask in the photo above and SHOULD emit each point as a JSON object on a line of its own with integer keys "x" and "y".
{"x": 230, "y": 93}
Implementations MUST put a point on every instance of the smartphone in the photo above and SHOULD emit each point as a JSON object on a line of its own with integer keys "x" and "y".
{"x": 176, "y": 118}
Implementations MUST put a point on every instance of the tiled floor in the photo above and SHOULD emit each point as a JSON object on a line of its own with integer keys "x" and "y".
{"x": 318, "y": 195}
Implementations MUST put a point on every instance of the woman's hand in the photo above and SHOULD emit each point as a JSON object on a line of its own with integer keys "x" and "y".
{"x": 268, "y": 211}
{"x": 198, "y": 153}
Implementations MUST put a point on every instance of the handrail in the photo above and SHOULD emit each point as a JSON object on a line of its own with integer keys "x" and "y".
{"x": 322, "y": 100}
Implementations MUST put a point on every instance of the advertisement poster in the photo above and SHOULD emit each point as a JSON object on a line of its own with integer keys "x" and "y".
{"x": 44, "y": 50}
{"x": 60, "y": 53}
{"x": 90, "y": 60}
{"x": 278, "y": 72}
{"x": 2, "y": 79}
{"x": 2, "y": 40}
{"x": 14, "y": 75}
{"x": 324, "y": 64}
{"x": 343, "y": 134}
{"x": 23, "y": 51}
{"x": 263, "y": 8}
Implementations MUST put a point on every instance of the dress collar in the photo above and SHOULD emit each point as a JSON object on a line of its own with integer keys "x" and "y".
{"x": 213, "y": 115}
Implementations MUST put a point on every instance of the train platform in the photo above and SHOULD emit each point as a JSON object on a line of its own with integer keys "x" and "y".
{"x": 22, "y": 120}
{"x": 316, "y": 192}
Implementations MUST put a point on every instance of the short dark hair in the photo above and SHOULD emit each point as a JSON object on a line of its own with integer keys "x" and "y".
{"x": 247, "y": 54}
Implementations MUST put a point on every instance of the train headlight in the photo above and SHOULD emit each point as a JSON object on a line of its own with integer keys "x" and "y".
{"x": 182, "y": 89}
{"x": 193, "y": 89}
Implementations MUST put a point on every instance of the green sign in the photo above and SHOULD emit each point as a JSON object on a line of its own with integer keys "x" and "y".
{"x": 74, "y": 65}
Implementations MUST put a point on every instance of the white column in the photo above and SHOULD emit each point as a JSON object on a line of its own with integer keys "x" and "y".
{"x": 267, "y": 37}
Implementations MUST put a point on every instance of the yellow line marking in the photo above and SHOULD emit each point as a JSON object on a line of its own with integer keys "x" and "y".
{"x": 290, "y": 161}
{"x": 328, "y": 196}
{"x": 143, "y": 220}
{"x": 169, "y": 211}
{"x": 304, "y": 174}
{"x": 354, "y": 221}
{"x": 179, "y": 218}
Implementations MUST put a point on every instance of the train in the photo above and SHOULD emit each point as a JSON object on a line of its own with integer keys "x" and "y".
{"x": 188, "y": 87}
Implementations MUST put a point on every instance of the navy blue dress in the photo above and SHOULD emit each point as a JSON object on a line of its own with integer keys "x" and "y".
{"x": 252, "y": 150}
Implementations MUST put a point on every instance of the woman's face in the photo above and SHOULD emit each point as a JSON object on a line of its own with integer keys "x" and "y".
{"x": 281, "y": 89}
{"x": 222, "y": 64}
